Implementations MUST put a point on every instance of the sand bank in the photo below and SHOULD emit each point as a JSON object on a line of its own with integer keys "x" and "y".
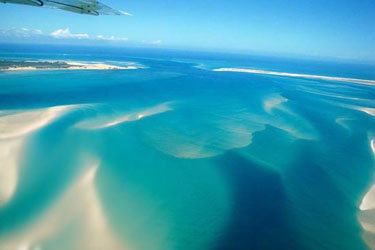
{"x": 273, "y": 101}
{"x": 343, "y": 122}
{"x": 9, "y": 158}
{"x": 330, "y": 78}
{"x": 369, "y": 111}
{"x": 78, "y": 207}
{"x": 368, "y": 201}
{"x": 22, "y": 123}
{"x": 134, "y": 116}
{"x": 366, "y": 215}
{"x": 14, "y": 128}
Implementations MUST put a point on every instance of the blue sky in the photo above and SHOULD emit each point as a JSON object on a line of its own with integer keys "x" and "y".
{"x": 341, "y": 29}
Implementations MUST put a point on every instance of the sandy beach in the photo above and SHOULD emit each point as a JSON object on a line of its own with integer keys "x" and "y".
{"x": 65, "y": 65}
{"x": 96, "y": 66}
{"x": 264, "y": 72}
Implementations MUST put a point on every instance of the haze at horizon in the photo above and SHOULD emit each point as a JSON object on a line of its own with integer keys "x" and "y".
{"x": 338, "y": 29}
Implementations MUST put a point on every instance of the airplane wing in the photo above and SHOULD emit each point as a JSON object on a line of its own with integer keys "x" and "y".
{"x": 89, "y": 7}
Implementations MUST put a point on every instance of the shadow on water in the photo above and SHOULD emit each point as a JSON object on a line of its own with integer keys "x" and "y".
{"x": 323, "y": 198}
{"x": 259, "y": 212}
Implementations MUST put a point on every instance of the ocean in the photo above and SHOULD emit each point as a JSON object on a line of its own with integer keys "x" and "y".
{"x": 174, "y": 155}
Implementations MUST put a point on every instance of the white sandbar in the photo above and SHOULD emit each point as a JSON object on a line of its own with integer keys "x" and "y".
{"x": 14, "y": 128}
{"x": 368, "y": 201}
{"x": 158, "y": 109}
{"x": 330, "y": 78}
{"x": 79, "y": 206}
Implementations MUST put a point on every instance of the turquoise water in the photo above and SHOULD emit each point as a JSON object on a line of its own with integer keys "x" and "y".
{"x": 173, "y": 155}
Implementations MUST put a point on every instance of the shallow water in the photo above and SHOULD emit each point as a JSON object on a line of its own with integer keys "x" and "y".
{"x": 175, "y": 156}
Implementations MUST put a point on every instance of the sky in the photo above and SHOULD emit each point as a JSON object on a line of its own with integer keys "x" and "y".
{"x": 321, "y": 28}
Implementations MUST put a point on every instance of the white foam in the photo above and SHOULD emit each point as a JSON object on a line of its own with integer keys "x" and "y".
{"x": 330, "y": 78}
{"x": 78, "y": 206}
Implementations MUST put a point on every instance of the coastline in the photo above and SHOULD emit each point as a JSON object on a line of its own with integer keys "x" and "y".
{"x": 264, "y": 72}
{"x": 66, "y": 65}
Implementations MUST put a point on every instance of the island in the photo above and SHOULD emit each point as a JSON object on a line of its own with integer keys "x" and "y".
{"x": 21, "y": 65}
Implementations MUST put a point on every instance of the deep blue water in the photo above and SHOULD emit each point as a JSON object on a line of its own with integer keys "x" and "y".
{"x": 173, "y": 155}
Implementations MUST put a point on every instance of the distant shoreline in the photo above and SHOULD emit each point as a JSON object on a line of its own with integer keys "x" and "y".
{"x": 264, "y": 72}
{"x": 13, "y": 65}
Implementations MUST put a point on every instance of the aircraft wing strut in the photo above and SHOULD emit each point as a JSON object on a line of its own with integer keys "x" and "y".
{"x": 89, "y": 7}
